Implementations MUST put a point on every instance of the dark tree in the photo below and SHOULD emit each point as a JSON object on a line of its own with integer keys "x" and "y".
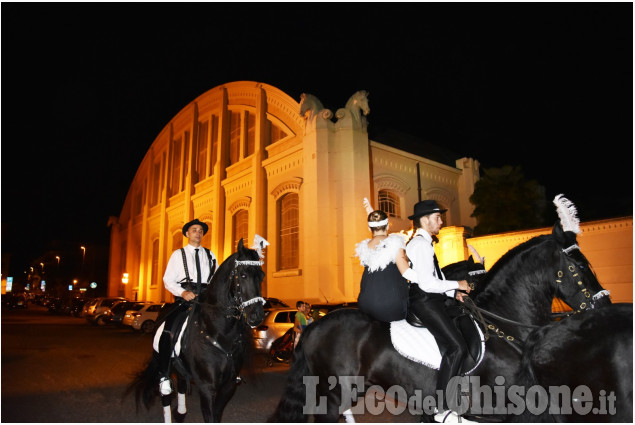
{"x": 505, "y": 200}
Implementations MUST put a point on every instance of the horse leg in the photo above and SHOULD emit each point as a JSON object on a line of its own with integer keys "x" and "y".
{"x": 181, "y": 409}
{"x": 208, "y": 399}
{"x": 223, "y": 395}
{"x": 167, "y": 412}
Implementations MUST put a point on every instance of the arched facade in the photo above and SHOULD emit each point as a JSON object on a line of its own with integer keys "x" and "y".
{"x": 242, "y": 159}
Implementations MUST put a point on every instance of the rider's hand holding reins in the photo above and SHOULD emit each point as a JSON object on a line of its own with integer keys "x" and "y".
{"x": 188, "y": 295}
{"x": 463, "y": 290}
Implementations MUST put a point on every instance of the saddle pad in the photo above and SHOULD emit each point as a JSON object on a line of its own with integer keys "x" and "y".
{"x": 177, "y": 347}
{"x": 418, "y": 344}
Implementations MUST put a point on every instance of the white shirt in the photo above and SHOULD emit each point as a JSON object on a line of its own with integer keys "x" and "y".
{"x": 175, "y": 272}
{"x": 421, "y": 253}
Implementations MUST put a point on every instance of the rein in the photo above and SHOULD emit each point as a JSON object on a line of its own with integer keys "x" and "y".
{"x": 587, "y": 301}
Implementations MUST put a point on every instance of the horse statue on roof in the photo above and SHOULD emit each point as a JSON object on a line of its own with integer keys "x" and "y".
{"x": 356, "y": 104}
{"x": 312, "y": 105}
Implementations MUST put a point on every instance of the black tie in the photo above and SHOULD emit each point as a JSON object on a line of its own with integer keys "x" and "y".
{"x": 198, "y": 267}
{"x": 436, "y": 266}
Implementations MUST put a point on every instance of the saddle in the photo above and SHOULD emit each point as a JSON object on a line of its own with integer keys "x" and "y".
{"x": 467, "y": 326}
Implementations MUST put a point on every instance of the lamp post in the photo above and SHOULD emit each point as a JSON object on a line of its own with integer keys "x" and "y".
{"x": 57, "y": 257}
{"x": 83, "y": 248}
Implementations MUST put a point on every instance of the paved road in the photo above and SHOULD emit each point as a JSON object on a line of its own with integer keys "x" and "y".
{"x": 62, "y": 369}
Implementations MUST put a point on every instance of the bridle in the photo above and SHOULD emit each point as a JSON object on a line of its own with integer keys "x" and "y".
{"x": 238, "y": 305}
{"x": 583, "y": 299}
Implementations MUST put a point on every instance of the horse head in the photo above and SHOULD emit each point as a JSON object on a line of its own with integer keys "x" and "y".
{"x": 245, "y": 287}
{"x": 576, "y": 283}
{"x": 530, "y": 275}
{"x": 359, "y": 101}
{"x": 468, "y": 270}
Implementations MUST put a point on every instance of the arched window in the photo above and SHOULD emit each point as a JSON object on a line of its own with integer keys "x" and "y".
{"x": 240, "y": 228}
{"x": 289, "y": 219}
{"x": 177, "y": 241}
{"x": 389, "y": 203}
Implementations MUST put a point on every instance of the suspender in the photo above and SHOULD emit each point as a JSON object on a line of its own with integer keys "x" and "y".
{"x": 212, "y": 266}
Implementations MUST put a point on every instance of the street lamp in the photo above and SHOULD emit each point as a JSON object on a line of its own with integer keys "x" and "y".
{"x": 57, "y": 257}
{"x": 83, "y": 253}
{"x": 42, "y": 264}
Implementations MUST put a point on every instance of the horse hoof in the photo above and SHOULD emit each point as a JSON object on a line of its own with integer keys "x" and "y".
{"x": 178, "y": 417}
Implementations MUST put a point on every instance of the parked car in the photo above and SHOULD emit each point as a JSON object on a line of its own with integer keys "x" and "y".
{"x": 275, "y": 324}
{"x": 117, "y": 312}
{"x": 320, "y": 310}
{"x": 95, "y": 309}
{"x": 274, "y": 303}
{"x": 15, "y": 300}
{"x": 144, "y": 319}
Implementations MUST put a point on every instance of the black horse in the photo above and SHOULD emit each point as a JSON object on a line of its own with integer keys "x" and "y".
{"x": 516, "y": 294}
{"x": 216, "y": 339}
{"x": 590, "y": 352}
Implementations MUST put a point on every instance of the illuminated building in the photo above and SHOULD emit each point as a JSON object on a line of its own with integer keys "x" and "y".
{"x": 244, "y": 159}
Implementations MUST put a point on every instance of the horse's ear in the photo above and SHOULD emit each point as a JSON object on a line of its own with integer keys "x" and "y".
{"x": 564, "y": 238}
{"x": 240, "y": 246}
{"x": 470, "y": 260}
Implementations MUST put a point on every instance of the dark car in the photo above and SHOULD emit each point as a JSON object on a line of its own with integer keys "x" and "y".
{"x": 320, "y": 310}
{"x": 15, "y": 301}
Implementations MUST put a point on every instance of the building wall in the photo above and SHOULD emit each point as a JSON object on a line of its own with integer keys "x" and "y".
{"x": 607, "y": 244}
{"x": 193, "y": 170}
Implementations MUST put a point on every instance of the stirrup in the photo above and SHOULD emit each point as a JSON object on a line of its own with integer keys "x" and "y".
{"x": 165, "y": 385}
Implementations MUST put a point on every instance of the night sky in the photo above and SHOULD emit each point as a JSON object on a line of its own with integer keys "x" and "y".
{"x": 86, "y": 88}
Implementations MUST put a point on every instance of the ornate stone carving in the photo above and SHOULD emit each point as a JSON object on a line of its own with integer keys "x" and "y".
{"x": 312, "y": 105}
{"x": 356, "y": 103}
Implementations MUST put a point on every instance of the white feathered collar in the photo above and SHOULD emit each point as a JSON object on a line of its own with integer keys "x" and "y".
{"x": 382, "y": 255}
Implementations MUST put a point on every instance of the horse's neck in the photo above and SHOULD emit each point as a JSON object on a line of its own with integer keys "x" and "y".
{"x": 518, "y": 295}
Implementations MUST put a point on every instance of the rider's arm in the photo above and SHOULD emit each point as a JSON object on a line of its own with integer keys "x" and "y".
{"x": 172, "y": 272}
{"x": 421, "y": 254}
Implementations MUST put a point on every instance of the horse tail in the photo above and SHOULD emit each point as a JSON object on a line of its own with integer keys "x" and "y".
{"x": 145, "y": 384}
{"x": 290, "y": 407}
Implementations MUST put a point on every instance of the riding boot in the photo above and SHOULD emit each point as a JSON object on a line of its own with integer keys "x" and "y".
{"x": 165, "y": 354}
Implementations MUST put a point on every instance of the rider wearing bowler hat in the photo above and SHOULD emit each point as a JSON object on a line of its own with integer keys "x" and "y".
{"x": 187, "y": 275}
{"x": 427, "y": 298}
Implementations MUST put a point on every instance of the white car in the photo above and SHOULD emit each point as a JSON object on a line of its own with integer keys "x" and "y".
{"x": 276, "y": 322}
{"x": 144, "y": 319}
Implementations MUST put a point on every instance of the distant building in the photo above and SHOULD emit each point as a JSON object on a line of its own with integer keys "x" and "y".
{"x": 247, "y": 159}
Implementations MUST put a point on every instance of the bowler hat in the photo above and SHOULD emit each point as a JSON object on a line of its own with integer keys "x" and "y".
{"x": 426, "y": 207}
{"x": 193, "y": 222}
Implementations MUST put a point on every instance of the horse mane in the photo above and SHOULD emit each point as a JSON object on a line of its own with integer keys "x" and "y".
{"x": 515, "y": 270}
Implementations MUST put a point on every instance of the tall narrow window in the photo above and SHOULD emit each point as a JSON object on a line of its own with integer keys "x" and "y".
{"x": 214, "y": 144}
{"x": 156, "y": 183}
{"x": 251, "y": 133}
{"x": 203, "y": 135}
{"x": 154, "y": 277}
{"x": 241, "y": 228}
{"x": 289, "y": 231}
{"x": 186, "y": 157}
{"x": 234, "y": 137}
{"x": 389, "y": 203}
{"x": 176, "y": 166}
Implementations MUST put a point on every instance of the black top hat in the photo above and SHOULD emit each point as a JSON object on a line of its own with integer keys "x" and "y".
{"x": 193, "y": 222}
{"x": 426, "y": 207}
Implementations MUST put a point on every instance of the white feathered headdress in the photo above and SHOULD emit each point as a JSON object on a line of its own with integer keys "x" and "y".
{"x": 568, "y": 214}
{"x": 260, "y": 243}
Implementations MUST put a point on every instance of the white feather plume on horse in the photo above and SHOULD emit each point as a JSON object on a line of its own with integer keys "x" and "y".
{"x": 568, "y": 214}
